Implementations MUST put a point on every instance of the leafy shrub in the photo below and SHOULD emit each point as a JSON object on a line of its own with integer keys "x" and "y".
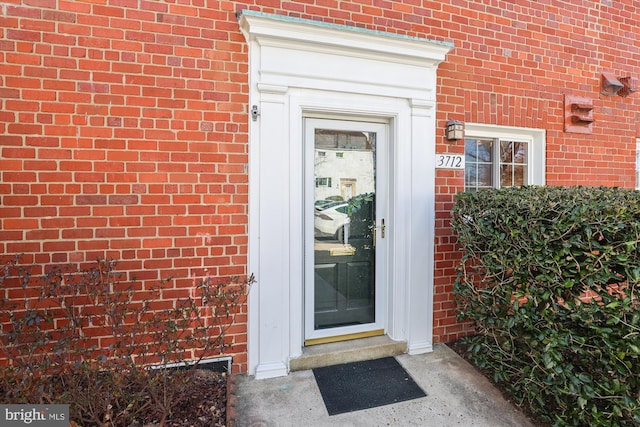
{"x": 361, "y": 211}
{"x": 549, "y": 278}
{"x": 86, "y": 337}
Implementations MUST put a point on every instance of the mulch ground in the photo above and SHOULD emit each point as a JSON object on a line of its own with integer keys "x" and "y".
{"x": 203, "y": 403}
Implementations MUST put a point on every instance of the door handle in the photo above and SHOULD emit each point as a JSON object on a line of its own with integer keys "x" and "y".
{"x": 374, "y": 228}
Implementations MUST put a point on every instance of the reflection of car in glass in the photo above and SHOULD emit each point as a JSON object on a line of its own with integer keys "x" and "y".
{"x": 324, "y": 203}
{"x": 329, "y": 220}
{"x": 331, "y": 200}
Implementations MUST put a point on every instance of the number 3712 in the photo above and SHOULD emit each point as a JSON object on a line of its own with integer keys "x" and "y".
{"x": 449, "y": 161}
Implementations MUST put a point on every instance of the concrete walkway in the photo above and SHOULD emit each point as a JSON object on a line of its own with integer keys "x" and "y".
{"x": 457, "y": 395}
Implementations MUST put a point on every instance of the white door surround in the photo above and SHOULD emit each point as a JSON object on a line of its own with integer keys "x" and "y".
{"x": 301, "y": 68}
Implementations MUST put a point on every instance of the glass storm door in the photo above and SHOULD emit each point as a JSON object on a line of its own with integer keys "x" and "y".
{"x": 345, "y": 230}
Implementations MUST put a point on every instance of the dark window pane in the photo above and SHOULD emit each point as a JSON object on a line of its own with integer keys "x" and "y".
{"x": 506, "y": 151}
{"x": 478, "y": 166}
{"x": 485, "y": 150}
{"x": 519, "y": 175}
{"x": 470, "y": 150}
{"x": 506, "y": 177}
{"x": 470, "y": 175}
{"x": 485, "y": 177}
{"x": 520, "y": 152}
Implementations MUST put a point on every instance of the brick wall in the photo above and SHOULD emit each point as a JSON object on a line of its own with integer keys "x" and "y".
{"x": 124, "y": 135}
{"x": 512, "y": 65}
{"x": 123, "y": 125}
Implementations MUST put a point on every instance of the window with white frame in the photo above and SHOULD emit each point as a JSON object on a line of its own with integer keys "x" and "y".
{"x": 323, "y": 182}
{"x": 501, "y": 156}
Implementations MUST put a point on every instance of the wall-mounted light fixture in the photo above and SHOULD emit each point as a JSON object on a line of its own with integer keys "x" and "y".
{"x": 454, "y": 130}
{"x": 609, "y": 84}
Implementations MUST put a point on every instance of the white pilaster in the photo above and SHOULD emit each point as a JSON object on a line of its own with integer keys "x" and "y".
{"x": 420, "y": 268}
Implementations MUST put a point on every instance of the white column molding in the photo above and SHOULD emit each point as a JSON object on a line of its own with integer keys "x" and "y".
{"x": 273, "y": 219}
{"x": 420, "y": 333}
{"x": 272, "y": 89}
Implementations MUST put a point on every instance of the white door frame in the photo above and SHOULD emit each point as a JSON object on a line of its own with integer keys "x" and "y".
{"x": 347, "y": 123}
{"x": 299, "y": 67}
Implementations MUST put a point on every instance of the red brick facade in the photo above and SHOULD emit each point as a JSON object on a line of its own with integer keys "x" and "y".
{"x": 124, "y": 123}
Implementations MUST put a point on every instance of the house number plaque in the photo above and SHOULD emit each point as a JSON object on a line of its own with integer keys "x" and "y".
{"x": 449, "y": 161}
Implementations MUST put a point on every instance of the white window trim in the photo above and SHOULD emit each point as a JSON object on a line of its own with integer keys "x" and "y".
{"x": 536, "y": 145}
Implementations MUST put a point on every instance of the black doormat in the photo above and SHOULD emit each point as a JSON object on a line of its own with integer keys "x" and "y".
{"x": 361, "y": 385}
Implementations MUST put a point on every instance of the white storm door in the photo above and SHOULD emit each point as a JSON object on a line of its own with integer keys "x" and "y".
{"x": 346, "y": 228}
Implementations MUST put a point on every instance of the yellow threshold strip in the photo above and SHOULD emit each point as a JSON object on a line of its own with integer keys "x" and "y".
{"x": 346, "y": 337}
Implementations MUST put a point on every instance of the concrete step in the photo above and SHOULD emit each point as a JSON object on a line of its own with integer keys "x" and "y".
{"x": 357, "y": 350}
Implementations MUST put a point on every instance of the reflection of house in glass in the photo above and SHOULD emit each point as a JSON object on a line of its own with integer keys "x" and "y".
{"x": 483, "y": 171}
{"x": 513, "y": 163}
{"x": 478, "y": 163}
{"x": 344, "y": 164}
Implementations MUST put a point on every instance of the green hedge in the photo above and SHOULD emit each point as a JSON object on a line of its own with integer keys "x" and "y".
{"x": 549, "y": 278}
